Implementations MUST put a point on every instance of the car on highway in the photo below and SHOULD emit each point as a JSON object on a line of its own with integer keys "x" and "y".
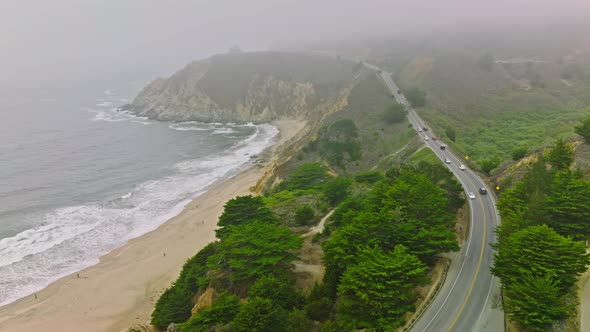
{"x": 434, "y": 138}
{"x": 483, "y": 191}
{"x": 462, "y": 167}
{"x": 419, "y": 130}
{"x": 443, "y": 147}
{"x": 426, "y": 138}
{"x": 424, "y": 128}
{"x": 471, "y": 195}
{"x": 447, "y": 161}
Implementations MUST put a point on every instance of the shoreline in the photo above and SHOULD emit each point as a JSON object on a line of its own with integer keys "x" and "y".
{"x": 121, "y": 290}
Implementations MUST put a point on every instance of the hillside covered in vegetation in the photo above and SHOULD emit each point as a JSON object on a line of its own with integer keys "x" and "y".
{"x": 248, "y": 87}
{"x": 385, "y": 234}
{"x": 541, "y": 246}
{"x": 380, "y": 235}
{"x": 490, "y": 96}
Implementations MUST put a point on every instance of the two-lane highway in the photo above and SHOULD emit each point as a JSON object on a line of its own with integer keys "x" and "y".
{"x": 469, "y": 299}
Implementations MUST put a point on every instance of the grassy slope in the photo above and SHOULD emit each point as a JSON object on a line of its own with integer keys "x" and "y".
{"x": 378, "y": 139}
{"x": 229, "y": 75}
{"x": 424, "y": 154}
{"x": 492, "y": 116}
{"x": 366, "y": 105}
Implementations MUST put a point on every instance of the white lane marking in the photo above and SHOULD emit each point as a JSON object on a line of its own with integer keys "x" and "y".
{"x": 486, "y": 301}
{"x": 460, "y": 271}
{"x": 413, "y": 118}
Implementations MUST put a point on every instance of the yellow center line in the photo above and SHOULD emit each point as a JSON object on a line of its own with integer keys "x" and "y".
{"x": 478, "y": 265}
{"x": 481, "y": 252}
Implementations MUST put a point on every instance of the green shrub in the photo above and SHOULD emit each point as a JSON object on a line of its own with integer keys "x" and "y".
{"x": 416, "y": 97}
{"x": 369, "y": 177}
{"x": 488, "y": 165}
{"x": 451, "y": 134}
{"x": 280, "y": 290}
{"x": 304, "y": 215}
{"x": 260, "y": 315}
{"x": 336, "y": 190}
{"x": 395, "y": 113}
{"x": 221, "y": 312}
{"x": 583, "y": 129}
{"x": 337, "y": 141}
{"x": 519, "y": 153}
{"x": 241, "y": 210}
{"x": 320, "y": 309}
{"x": 175, "y": 304}
{"x": 306, "y": 176}
{"x": 298, "y": 322}
{"x": 254, "y": 250}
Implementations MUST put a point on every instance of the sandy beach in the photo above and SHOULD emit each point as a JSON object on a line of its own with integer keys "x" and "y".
{"x": 120, "y": 291}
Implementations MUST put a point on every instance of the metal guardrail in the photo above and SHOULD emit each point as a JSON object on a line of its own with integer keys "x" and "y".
{"x": 428, "y": 300}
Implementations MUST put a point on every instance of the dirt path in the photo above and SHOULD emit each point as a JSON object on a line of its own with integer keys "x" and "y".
{"x": 320, "y": 226}
{"x": 309, "y": 267}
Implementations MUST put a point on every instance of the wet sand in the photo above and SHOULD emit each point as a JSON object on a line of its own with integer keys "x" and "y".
{"x": 121, "y": 290}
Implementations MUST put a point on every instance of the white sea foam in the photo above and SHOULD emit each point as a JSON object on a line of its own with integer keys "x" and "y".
{"x": 72, "y": 238}
{"x": 104, "y": 104}
{"x": 223, "y": 131}
{"x": 194, "y": 125}
{"x": 113, "y": 115}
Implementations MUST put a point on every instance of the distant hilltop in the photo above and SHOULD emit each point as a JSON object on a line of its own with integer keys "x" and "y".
{"x": 243, "y": 87}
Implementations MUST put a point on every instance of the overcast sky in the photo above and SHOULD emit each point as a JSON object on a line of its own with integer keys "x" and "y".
{"x": 38, "y": 34}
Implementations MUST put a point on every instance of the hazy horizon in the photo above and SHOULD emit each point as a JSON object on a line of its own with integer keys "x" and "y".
{"x": 65, "y": 38}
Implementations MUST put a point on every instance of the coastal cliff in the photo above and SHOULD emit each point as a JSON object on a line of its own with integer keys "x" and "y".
{"x": 248, "y": 87}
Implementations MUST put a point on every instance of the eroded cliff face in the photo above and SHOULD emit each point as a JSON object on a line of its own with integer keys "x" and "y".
{"x": 251, "y": 92}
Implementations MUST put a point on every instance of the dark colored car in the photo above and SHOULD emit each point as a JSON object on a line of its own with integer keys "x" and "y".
{"x": 483, "y": 191}
{"x": 424, "y": 128}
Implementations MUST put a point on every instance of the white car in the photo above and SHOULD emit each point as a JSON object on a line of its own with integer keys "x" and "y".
{"x": 426, "y": 138}
{"x": 471, "y": 195}
{"x": 462, "y": 167}
{"x": 419, "y": 130}
{"x": 447, "y": 161}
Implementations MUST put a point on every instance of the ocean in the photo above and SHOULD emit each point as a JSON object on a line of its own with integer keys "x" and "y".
{"x": 79, "y": 179}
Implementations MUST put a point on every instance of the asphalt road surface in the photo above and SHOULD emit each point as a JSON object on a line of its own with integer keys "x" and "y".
{"x": 470, "y": 297}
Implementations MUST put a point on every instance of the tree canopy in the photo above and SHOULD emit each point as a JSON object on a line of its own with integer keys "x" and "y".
{"x": 567, "y": 207}
{"x": 395, "y": 113}
{"x": 539, "y": 251}
{"x": 538, "y": 269}
{"x": 451, "y": 133}
{"x": 537, "y": 302}
{"x": 255, "y": 249}
{"x": 378, "y": 290}
{"x": 416, "y": 97}
{"x": 308, "y": 175}
{"x": 280, "y": 290}
{"x": 583, "y": 129}
{"x": 260, "y": 315}
{"x": 560, "y": 155}
{"x": 242, "y": 210}
{"x": 175, "y": 304}
{"x": 220, "y": 312}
